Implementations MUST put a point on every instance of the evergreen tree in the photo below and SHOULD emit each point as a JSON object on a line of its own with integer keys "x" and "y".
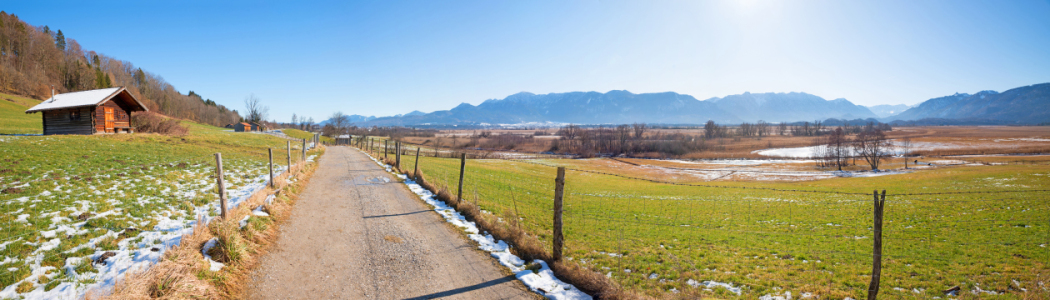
{"x": 60, "y": 40}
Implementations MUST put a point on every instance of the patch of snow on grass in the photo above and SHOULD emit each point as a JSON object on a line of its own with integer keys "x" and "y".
{"x": 213, "y": 265}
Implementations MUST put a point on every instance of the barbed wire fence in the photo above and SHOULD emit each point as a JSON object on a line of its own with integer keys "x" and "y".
{"x": 752, "y": 241}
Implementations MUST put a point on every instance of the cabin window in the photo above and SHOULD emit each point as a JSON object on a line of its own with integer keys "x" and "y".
{"x": 74, "y": 115}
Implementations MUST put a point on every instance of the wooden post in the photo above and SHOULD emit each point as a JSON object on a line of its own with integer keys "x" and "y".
{"x": 397, "y": 156}
{"x": 386, "y": 147}
{"x": 222, "y": 186}
{"x": 304, "y": 153}
{"x": 289, "y": 157}
{"x": 876, "y": 264}
{"x": 415, "y": 168}
{"x": 272, "y": 184}
{"x": 462, "y": 166}
{"x": 559, "y": 190}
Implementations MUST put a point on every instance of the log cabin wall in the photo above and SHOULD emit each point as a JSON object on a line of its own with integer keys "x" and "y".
{"x": 120, "y": 116}
{"x": 68, "y": 121}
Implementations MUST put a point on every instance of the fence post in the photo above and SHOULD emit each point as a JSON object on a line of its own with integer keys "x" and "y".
{"x": 386, "y": 147}
{"x": 559, "y": 190}
{"x": 304, "y": 153}
{"x": 289, "y": 157}
{"x": 272, "y": 184}
{"x": 462, "y": 166}
{"x": 876, "y": 264}
{"x": 415, "y": 168}
{"x": 222, "y": 186}
{"x": 397, "y": 156}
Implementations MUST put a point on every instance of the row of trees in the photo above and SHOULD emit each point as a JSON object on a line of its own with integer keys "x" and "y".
{"x": 33, "y": 59}
{"x": 339, "y": 124}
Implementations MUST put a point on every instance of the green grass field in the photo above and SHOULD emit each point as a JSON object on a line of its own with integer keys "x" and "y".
{"x": 659, "y": 239}
{"x": 68, "y": 199}
{"x": 14, "y": 120}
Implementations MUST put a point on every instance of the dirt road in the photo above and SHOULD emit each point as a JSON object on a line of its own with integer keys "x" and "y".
{"x": 356, "y": 233}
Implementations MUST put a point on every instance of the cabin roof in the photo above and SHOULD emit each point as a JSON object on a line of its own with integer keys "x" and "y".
{"x": 84, "y": 98}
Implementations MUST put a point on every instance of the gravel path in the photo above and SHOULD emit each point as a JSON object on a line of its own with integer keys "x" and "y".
{"x": 356, "y": 233}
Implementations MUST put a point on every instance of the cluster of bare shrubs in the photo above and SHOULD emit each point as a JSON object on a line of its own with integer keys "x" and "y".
{"x": 151, "y": 122}
{"x": 839, "y": 150}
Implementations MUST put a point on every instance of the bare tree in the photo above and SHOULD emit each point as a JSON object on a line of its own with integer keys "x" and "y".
{"x": 905, "y": 147}
{"x": 762, "y": 128}
{"x": 710, "y": 129}
{"x": 872, "y": 146}
{"x": 255, "y": 111}
{"x": 623, "y": 134}
{"x": 339, "y": 120}
{"x": 639, "y": 130}
{"x": 782, "y": 128}
{"x": 838, "y": 147}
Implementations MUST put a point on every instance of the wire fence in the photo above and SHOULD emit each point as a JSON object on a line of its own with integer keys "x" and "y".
{"x": 664, "y": 238}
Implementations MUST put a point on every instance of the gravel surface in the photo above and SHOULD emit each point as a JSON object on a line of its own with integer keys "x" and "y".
{"x": 357, "y": 233}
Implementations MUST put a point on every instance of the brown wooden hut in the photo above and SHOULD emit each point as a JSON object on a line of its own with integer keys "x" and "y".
{"x": 258, "y": 127}
{"x": 242, "y": 127}
{"x": 89, "y": 112}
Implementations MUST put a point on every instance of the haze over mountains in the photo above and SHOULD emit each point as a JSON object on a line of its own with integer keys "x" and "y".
{"x": 887, "y": 110}
{"x": 1024, "y": 105}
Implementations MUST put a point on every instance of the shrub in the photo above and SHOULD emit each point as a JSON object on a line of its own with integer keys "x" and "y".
{"x": 151, "y": 122}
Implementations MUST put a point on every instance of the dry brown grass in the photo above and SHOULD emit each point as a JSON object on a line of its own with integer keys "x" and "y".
{"x": 183, "y": 273}
{"x": 976, "y": 139}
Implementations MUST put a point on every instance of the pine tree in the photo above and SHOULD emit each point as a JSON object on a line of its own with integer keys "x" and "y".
{"x": 60, "y": 40}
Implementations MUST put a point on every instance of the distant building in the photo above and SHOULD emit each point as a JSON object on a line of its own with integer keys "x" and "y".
{"x": 89, "y": 112}
{"x": 229, "y": 126}
{"x": 257, "y": 127}
{"x": 242, "y": 127}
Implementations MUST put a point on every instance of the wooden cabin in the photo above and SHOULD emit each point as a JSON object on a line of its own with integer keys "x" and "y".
{"x": 242, "y": 127}
{"x": 257, "y": 127}
{"x": 98, "y": 111}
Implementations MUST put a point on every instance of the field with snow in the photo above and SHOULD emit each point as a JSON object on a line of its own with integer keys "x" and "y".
{"x": 982, "y": 228}
{"x": 80, "y": 211}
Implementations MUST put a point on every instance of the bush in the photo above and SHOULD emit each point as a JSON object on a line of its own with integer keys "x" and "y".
{"x": 147, "y": 122}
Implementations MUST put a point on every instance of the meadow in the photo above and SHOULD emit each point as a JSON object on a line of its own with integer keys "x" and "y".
{"x": 14, "y": 120}
{"x": 79, "y": 211}
{"x": 981, "y": 228}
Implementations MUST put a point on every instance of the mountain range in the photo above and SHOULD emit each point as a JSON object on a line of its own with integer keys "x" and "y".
{"x": 1023, "y": 105}
{"x": 622, "y": 107}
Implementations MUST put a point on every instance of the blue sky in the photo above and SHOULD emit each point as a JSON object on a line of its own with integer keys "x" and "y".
{"x": 389, "y": 57}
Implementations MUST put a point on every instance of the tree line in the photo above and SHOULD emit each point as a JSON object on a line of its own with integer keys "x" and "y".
{"x": 35, "y": 59}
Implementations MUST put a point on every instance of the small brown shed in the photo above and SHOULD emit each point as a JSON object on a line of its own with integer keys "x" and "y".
{"x": 257, "y": 127}
{"x": 242, "y": 127}
{"x": 89, "y": 112}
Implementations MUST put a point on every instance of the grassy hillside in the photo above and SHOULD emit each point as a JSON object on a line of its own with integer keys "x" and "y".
{"x": 14, "y": 120}
{"x": 67, "y": 200}
{"x": 770, "y": 237}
